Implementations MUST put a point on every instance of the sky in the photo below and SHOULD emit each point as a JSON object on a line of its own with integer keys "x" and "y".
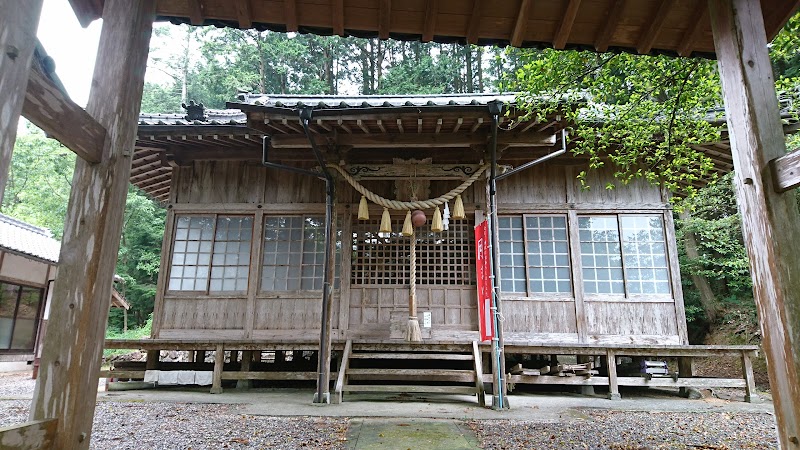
{"x": 72, "y": 47}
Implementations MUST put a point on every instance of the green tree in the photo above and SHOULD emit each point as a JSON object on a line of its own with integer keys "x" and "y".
{"x": 39, "y": 181}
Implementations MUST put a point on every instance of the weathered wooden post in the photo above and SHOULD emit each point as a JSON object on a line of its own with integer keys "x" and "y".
{"x": 18, "y": 23}
{"x": 770, "y": 221}
{"x": 67, "y": 385}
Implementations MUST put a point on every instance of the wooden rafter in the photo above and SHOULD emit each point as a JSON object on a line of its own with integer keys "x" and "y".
{"x": 687, "y": 41}
{"x": 55, "y": 113}
{"x": 337, "y": 17}
{"x": 474, "y": 22}
{"x": 244, "y": 13}
{"x": 613, "y": 16}
{"x": 562, "y": 35}
{"x": 196, "y": 12}
{"x": 385, "y": 19}
{"x": 290, "y": 12}
{"x": 656, "y": 24}
{"x": 521, "y": 25}
{"x": 429, "y": 27}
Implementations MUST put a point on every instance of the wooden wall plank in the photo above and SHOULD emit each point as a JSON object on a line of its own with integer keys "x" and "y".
{"x": 17, "y": 40}
{"x": 770, "y": 220}
{"x": 66, "y": 388}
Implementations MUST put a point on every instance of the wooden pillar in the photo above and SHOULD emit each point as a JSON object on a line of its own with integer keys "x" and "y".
{"x": 685, "y": 370}
{"x": 247, "y": 359}
{"x": 750, "y": 394}
{"x": 219, "y": 363}
{"x": 770, "y": 221}
{"x": 18, "y": 23}
{"x": 611, "y": 365}
{"x": 67, "y": 385}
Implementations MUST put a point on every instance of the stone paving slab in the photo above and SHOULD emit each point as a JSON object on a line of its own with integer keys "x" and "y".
{"x": 405, "y": 434}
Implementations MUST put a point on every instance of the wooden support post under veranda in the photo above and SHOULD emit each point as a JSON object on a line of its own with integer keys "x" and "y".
{"x": 770, "y": 220}
{"x": 67, "y": 385}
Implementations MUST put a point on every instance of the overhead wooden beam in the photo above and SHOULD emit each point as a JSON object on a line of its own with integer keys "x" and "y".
{"x": 244, "y": 14}
{"x": 560, "y": 39}
{"x": 417, "y": 140}
{"x": 431, "y": 13}
{"x": 614, "y": 14}
{"x": 86, "y": 10}
{"x": 384, "y": 19}
{"x": 474, "y": 23}
{"x": 290, "y": 13}
{"x": 521, "y": 25}
{"x": 67, "y": 384}
{"x": 786, "y": 171}
{"x": 337, "y": 17}
{"x": 61, "y": 118}
{"x": 700, "y": 15}
{"x": 196, "y": 12}
{"x": 770, "y": 220}
{"x": 656, "y": 24}
{"x": 18, "y": 23}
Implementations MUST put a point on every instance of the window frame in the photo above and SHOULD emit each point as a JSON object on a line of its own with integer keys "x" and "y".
{"x": 626, "y": 294}
{"x": 572, "y": 218}
{"x": 528, "y": 294}
{"x": 208, "y": 292}
{"x": 36, "y": 320}
{"x": 264, "y": 293}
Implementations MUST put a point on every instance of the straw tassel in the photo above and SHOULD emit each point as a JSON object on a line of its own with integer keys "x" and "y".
{"x": 408, "y": 229}
{"x": 363, "y": 209}
{"x": 386, "y": 222}
{"x": 458, "y": 209}
{"x": 436, "y": 225}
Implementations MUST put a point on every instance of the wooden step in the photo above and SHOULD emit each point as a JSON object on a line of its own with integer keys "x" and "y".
{"x": 399, "y": 355}
{"x": 421, "y": 373}
{"x": 468, "y": 390}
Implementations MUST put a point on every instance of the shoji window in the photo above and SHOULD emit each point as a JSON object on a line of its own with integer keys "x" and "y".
{"x": 294, "y": 252}
{"x": 632, "y": 262}
{"x": 211, "y": 253}
{"x": 534, "y": 254}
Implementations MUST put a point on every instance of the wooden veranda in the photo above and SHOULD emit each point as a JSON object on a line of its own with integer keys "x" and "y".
{"x": 736, "y": 32}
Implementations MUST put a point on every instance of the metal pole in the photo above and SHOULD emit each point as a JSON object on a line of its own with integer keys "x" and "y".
{"x": 499, "y": 389}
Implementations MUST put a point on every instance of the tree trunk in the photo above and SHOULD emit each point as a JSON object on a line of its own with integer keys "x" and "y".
{"x": 468, "y": 63}
{"x": 707, "y": 298}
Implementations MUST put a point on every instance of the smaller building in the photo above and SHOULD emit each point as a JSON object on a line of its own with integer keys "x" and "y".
{"x": 28, "y": 260}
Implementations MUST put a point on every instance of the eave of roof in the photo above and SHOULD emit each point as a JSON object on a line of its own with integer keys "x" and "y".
{"x": 28, "y": 240}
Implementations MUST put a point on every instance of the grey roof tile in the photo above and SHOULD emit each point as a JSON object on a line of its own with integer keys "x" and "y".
{"x": 21, "y": 237}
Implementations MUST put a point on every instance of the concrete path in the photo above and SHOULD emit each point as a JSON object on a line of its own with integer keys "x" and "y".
{"x": 410, "y": 434}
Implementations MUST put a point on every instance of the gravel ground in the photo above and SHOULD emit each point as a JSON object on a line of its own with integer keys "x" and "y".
{"x": 129, "y": 426}
{"x": 631, "y": 430}
{"x": 160, "y": 425}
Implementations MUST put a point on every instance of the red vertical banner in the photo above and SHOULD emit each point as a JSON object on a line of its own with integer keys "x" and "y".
{"x": 484, "y": 272}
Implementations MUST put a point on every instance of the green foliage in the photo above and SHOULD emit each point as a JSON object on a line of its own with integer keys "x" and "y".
{"x": 39, "y": 181}
{"x": 157, "y": 98}
{"x": 642, "y": 114}
{"x": 141, "y": 332}
{"x": 139, "y": 257}
{"x": 38, "y": 192}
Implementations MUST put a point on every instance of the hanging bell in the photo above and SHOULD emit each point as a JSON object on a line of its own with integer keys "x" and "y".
{"x": 418, "y": 218}
{"x": 436, "y": 225}
{"x": 363, "y": 209}
{"x": 408, "y": 229}
{"x": 458, "y": 209}
{"x": 386, "y": 222}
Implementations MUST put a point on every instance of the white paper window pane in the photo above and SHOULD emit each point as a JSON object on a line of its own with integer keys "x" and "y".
{"x": 600, "y": 255}
{"x": 645, "y": 254}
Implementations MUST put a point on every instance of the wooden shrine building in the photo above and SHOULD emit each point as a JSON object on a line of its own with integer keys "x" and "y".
{"x": 244, "y": 247}
{"x": 215, "y": 202}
